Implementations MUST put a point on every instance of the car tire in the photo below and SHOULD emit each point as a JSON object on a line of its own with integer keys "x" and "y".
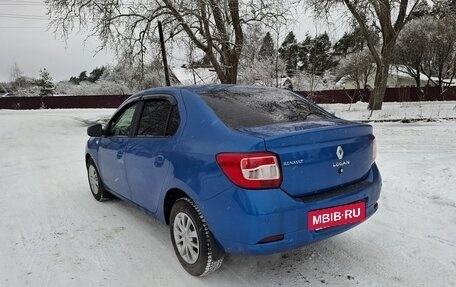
{"x": 193, "y": 243}
{"x": 96, "y": 186}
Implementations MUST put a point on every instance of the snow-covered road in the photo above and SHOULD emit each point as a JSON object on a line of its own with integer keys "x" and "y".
{"x": 53, "y": 233}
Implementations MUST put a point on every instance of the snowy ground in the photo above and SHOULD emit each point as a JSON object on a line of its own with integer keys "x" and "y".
{"x": 396, "y": 111}
{"x": 53, "y": 233}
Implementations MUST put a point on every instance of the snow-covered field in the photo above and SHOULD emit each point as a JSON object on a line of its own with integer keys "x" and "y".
{"x": 410, "y": 111}
{"x": 53, "y": 233}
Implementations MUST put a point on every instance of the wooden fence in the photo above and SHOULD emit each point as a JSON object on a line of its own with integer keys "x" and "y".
{"x": 62, "y": 102}
{"x": 409, "y": 94}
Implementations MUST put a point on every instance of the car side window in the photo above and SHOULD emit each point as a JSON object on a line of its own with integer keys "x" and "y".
{"x": 173, "y": 122}
{"x": 122, "y": 124}
{"x": 159, "y": 118}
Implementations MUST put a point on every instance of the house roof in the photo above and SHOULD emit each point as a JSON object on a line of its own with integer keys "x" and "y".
{"x": 195, "y": 76}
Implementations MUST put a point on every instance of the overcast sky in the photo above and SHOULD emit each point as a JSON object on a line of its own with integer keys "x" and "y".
{"x": 24, "y": 39}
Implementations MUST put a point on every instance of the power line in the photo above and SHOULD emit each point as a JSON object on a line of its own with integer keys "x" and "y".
{"x": 19, "y": 4}
{"x": 22, "y": 15}
{"x": 22, "y": 27}
{"x": 22, "y": 1}
{"x": 24, "y": 18}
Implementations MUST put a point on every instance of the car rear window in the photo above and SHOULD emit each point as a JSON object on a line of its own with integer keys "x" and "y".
{"x": 243, "y": 108}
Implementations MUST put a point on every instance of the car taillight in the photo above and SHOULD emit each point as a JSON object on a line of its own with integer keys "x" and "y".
{"x": 251, "y": 170}
{"x": 374, "y": 149}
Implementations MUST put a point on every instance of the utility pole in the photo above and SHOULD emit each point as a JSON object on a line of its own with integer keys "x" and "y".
{"x": 165, "y": 60}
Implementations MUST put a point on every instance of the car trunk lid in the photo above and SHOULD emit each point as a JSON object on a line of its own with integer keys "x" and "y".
{"x": 317, "y": 156}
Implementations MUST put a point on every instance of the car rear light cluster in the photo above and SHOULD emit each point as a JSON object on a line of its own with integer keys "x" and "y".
{"x": 251, "y": 170}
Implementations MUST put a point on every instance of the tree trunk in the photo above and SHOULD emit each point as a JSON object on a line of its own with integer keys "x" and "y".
{"x": 382, "y": 74}
{"x": 378, "y": 93}
{"x": 232, "y": 69}
{"x": 228, "y": 74}
{"x": 419, "y": 92}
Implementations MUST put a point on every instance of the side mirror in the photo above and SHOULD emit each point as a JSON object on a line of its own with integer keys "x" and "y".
{"x": 95, "y": 131}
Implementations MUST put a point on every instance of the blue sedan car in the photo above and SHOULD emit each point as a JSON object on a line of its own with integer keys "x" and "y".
{"x": 235, "y": 169}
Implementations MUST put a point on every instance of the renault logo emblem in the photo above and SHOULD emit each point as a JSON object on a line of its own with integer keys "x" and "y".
{"x": 340, "y": 152}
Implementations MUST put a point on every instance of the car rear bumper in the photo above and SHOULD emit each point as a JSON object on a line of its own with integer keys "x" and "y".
{"x": 239, "y": 219}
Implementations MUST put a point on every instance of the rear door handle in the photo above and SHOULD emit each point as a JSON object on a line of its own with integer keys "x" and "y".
{"x": 159, "y": 161}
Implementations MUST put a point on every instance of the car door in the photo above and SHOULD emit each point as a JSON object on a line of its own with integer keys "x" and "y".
{"x": 112, "y": 148}
{"x": 148, "y": 155}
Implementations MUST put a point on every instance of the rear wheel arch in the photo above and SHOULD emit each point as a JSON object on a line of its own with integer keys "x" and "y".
{"x": 170, "y": 198}
{"x": 87, "y": 158}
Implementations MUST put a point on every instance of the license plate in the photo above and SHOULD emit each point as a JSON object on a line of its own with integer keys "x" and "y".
{"x": 337, "y": 215}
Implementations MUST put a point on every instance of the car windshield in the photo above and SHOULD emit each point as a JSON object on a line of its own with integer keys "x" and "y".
{"x": 249, "y": 107}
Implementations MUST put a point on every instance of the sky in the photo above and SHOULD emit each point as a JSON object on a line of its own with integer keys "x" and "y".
{"x": 26, "y": 40}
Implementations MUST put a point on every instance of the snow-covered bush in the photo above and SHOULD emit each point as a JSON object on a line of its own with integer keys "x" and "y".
{"x": 101, "y": 87}
{"x": 304, "y": 81}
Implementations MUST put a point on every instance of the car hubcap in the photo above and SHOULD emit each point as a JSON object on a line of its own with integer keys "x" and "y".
{"x": 93, "y": 179}
{"x": 186, "y": 238}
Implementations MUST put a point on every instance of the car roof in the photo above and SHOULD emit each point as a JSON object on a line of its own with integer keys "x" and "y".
{"x": 198, "y": 89}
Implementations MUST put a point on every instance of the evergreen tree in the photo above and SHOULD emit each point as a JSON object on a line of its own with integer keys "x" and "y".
{"x": 321, "y": 54}
{"x": 74, "y": 80}
{"x": 96, "y": 74}
{"x": 350, "y": 42}
{"x": 83, "y": 76}
{"x": 353, "y": 42}
{"x": 304, "y": 53}
{"x": 315, "y": 55}
{"x": 267, "y": 48}
{"x": 45, "y": 83}
{"x": 289, "y": 53}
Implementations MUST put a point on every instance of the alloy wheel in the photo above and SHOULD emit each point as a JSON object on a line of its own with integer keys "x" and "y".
{"x": 186, "y": 238}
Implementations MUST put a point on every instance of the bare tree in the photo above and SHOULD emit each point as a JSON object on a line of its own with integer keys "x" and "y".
{"x": 358, "y": 68}
{"x": 215, "y": 27}
{"x": 128, "y": 74}
{"x": 278, "y": 29}
{"x": 262, "y": 72}
{"x": 411, "y": 49}
{"x": 389, "y": 17}
{"x": 428, "y": 46}
{"x": 258, "y": 66}
{"x": 439, "y": 64}
{"x": 16, "y": 76}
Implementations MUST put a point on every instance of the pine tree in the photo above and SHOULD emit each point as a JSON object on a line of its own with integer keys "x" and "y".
{"x": 315, "y": 55}
{"x": 321, "y": 57}
{"x": 83, "y": 76}
{"x": 353, "y": 42}
{"x": 96, "y": 74}
{"x": 304, "y": 53}
{"x": 267, "y": 48}
{"x": 45, "y": 83}
{"x": 289, "y": 53}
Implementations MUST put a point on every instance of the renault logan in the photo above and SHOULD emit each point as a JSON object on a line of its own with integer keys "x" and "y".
{"x": 235, "y": 169}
